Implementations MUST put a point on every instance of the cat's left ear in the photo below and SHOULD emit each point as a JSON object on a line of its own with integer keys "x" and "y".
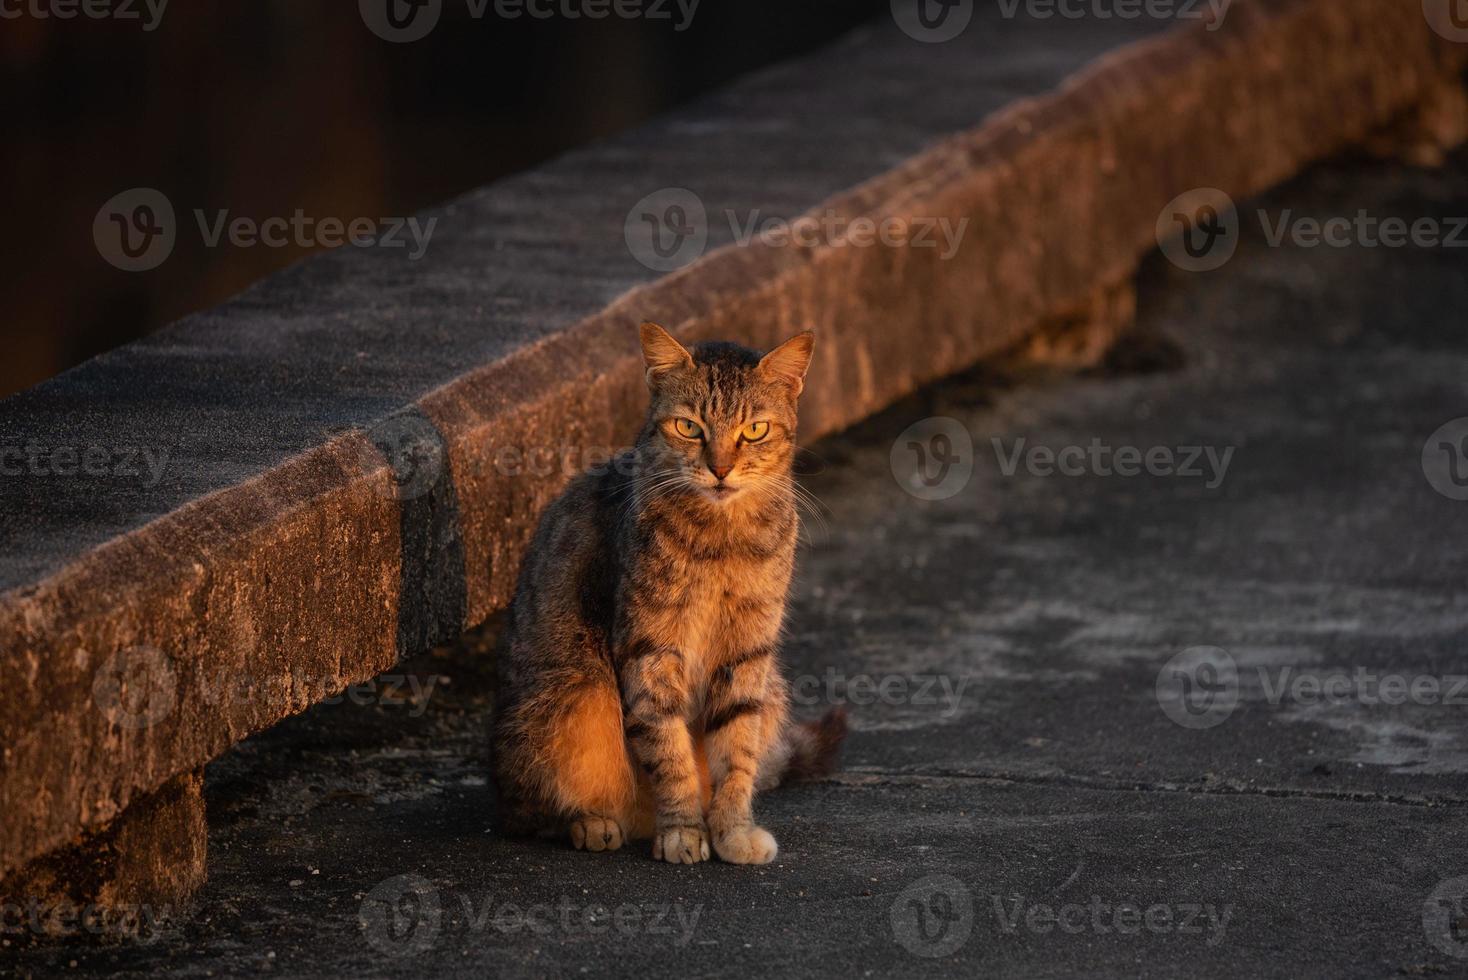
{"x": 788, "y": 363}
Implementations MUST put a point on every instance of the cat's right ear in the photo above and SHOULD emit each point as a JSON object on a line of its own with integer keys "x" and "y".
{"x": 661, "y": 352}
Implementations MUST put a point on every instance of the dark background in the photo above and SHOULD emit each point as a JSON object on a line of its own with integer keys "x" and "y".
{"x": 266, "y": 106}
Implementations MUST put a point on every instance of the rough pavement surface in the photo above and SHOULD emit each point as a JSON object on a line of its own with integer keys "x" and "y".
{"x": 1022, "y": 766}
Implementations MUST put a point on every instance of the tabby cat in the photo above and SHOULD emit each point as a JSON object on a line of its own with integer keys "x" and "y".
{"x": 639, "y": 691}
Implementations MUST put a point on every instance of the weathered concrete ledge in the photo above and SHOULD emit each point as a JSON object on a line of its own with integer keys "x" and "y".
{"x": 146, "y": 627}
{"x": 124, "y": 881}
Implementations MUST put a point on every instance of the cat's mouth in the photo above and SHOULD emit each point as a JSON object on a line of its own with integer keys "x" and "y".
{"x": 721, "y": 491}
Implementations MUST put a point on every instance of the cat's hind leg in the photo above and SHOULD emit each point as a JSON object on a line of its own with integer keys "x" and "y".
{"x": 588, "y": 770}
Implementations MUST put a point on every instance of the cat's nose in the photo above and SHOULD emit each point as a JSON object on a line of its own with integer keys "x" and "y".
{"x": 720, "y": 470}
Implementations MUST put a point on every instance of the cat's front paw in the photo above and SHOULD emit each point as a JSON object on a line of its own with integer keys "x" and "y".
{"x": 596, "y": 833}
{"x": 746, "y": 845}
{"x": 680, "y": 845}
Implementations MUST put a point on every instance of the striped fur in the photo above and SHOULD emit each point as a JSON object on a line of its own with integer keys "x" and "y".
{"x": 640, "y": 691}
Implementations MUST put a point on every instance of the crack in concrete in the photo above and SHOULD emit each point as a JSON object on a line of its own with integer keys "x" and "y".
{"x": 875, "y": 776}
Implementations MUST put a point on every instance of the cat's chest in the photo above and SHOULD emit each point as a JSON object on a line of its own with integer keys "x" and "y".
{"x": 711, "y": 611}
{"x": 720, "y": 609}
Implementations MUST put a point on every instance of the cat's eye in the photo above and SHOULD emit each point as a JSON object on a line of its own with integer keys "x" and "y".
{"x": 755, "y": 431}
{"x": 687, "y": 428}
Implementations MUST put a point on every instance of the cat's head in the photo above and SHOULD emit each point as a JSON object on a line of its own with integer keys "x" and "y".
{"x": 722, "y": 419}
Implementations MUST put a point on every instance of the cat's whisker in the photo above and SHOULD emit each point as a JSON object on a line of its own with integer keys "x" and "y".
{"x": 804, "y": 451}
{"x": 661, "y": 487}
{"x": 808, "y": 503}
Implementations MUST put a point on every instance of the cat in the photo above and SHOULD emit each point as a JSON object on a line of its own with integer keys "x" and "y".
{"x": 639, "y": 693}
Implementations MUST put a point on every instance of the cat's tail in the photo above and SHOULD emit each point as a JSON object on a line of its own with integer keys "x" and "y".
{"x": 808, "y": 750}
